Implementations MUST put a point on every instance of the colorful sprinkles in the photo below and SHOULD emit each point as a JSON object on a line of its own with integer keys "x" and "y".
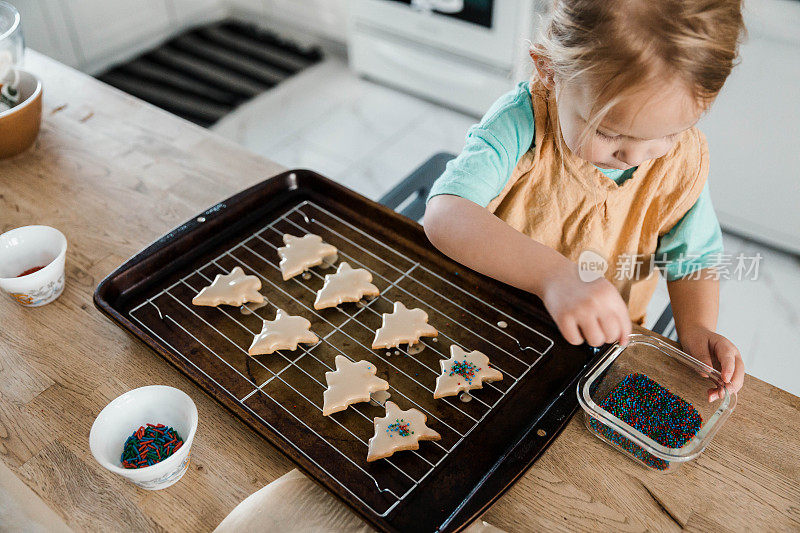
{"x": 652, "y": 409}
{"x": 401, "y": 427}
{"x": 150, "y": 445}
{"x": 465, "y": 369}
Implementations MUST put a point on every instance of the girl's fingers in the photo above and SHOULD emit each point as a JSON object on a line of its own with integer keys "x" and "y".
{"x": 734, "y": 386}
{"x": 713, "y": 394}
{"x": 703, "y": 357}
{"x": 731, "y": 364}
{"x": 610, "y": 327}
{"x": 623, "y": 338}
{"x": 727, "y": 355}
{"x": 738, "y": 375}
{"x": 627, "y": 329}
{"x": 569, "y": 329}
{"x": 625, "y": 325}
{"x": 591, "y": 330}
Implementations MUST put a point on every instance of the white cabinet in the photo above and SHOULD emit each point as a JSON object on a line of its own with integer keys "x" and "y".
{"x": 90, "y": 34}
{"x": 45, "y": 29}
{"x": 109, "y": 29}
{"x": 93, "y": 34}
{"x": 321, "y": 17}
{"x": 258, "y": 7}
{"x": 185, "y": 13}
{"x": 327, "y": 18}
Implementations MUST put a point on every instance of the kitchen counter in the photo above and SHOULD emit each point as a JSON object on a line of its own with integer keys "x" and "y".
{"x": 113, "y": 174}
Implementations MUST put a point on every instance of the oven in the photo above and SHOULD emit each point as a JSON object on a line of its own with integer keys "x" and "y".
{"x": 462, "y": 53}
{"x": 472, "y": 11}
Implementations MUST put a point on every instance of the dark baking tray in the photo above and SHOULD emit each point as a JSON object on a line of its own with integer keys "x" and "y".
{"x": 487, "y": 443}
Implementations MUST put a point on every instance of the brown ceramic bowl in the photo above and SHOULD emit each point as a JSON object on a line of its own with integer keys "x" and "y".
{"x": 20, "y": 124}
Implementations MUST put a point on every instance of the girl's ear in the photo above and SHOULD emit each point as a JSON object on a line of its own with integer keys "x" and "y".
{"x": 543, "y": 67}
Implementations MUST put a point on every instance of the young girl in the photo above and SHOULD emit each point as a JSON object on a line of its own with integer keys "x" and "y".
{"x": 599, "y": 155}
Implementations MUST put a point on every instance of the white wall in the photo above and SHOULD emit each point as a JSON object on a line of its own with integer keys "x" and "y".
{"x": 752, "y": 130}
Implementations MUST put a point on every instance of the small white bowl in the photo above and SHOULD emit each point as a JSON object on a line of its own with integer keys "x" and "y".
{"x": 28, "y": 247}
{"x": 154, "y": 404}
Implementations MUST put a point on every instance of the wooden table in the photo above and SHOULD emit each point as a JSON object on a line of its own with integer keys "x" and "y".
{"x": 114, "y": 173}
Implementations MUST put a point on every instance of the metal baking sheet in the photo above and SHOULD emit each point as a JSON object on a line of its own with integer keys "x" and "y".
{"x": 486, "y": 442}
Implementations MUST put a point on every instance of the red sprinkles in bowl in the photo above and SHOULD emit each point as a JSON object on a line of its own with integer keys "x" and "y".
{"x": 150, "y": 445}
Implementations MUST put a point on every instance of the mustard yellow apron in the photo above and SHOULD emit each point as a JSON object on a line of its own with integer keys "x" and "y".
{"x": 566, "y": 203}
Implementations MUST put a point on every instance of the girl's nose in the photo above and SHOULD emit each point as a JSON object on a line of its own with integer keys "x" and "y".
{"x": 632, "y": 156}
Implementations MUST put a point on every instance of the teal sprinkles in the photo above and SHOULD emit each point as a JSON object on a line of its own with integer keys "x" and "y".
{"x": 465, "y": 369}
{"x": 652, "y": 409}
{"x": 399, "y": 426}
{"x": 150, "y": 445}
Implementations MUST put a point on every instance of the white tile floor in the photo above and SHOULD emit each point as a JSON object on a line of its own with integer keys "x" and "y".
{"x": 369, "y": 137}
{"x": 365, "y": 135}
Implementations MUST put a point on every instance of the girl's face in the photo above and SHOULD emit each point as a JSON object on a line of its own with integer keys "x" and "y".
{"x": 643, "y": 125}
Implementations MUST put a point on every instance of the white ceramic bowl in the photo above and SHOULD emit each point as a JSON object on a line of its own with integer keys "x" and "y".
{"x": 27, "y": 247}
{"x": 154, "y": 404}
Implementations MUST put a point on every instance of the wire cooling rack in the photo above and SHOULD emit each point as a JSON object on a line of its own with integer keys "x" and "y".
{"x": 290, "y": 384}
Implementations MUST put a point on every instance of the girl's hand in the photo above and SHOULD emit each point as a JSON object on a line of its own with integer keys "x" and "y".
{"x": 476, "y": 238}
{"x": 716, "y": 351}
{"x": 592, "y": 311}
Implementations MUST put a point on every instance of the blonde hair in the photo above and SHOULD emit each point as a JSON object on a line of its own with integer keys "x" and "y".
{"x": 620, "y": 44}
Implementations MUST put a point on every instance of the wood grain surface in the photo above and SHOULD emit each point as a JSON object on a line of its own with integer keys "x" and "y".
{"x": 114, "y": 174}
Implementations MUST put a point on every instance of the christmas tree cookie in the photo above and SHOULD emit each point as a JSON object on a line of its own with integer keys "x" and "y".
{"x": 403, "y": 326}
{"x": 230, "y": 289}
{"x": 350, "y": 383}
{"x": 283, "y": 333}
{"x": 302, "y": 253}
{"x": 347, "y": 285}
{"x": 397, "y": 431}
{"x": 463, "y": 372}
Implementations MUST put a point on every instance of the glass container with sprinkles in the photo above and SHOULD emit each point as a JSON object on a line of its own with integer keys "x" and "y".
{"x": 649, "y": 400}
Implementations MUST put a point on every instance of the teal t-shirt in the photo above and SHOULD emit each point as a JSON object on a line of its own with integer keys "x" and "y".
{"x": 495, "y": 145}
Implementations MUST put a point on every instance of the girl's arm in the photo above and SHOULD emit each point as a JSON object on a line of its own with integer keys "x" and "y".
{"x": 695, "y": 307}
{"x": 468, "y": 233}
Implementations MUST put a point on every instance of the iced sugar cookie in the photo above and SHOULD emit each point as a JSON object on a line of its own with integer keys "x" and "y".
{"x": 302, "y": 253}
{"x": 402, "y": 326}
{"x": 347, "y": 285}
{"x": 350, "y": 383}
{"x": 397, "y": 431}
{"x": 230, "y": 289}
{"x": 283, "y": 333}
{"x": 463, "y": 372}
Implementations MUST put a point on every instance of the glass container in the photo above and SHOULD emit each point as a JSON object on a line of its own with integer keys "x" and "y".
{"x": 681, "y": 374}
{"x": 12, "y": 45}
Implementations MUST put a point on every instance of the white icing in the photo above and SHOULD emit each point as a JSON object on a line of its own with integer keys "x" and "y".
{"x": 302, "y": 253}
{"x": 403, "y": 326}
{"x": 379, "y": 397}
{"x": 414, "y": 349}
{"x": 230, "y": 289}
{"x": 250, "y": 309}
{"x": 283, "y": 333}
{"x": 348, "y": 284}
{"x": 350, "y": 383}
